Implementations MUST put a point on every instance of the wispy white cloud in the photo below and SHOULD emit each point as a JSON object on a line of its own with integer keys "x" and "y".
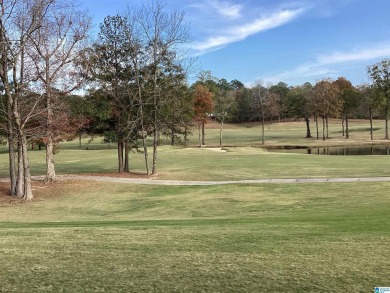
{"x": 327, "y": 65}
{"x": 226, "y": 9}
{"x": 239, "y": 33}
{"x": 374, "y": 52}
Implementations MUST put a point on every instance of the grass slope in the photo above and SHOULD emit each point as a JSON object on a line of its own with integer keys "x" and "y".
{"x": 94, "y": 237}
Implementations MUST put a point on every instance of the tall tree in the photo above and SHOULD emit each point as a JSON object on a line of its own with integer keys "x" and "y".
{"x": 203, "y": 106}
{"x": 19, "y": 20}
{"x": 164, "y": 34}
{"x": 264, "y": 104}
{"x": 329, "y": 104}
{"x": 281, "y": 89}
{"x": 380, "y": 75}
{"x": 370, "y": 104}
{"x": 179, "y": 113}
{"x": 349, "y": 96}
{"x": 57, "y": 48}
{"x": 224, "y": 102}
{"x": 113, "y": 69}
{"x": 298, "y": 104}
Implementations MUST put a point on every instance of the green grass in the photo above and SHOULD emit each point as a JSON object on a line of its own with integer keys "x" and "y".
{"x": 96, "y": 237}
{"x": 205, "y": 164}
{"x": 237, "y": 163}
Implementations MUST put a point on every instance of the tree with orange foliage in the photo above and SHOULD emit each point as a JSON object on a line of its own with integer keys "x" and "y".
{"x": 203, "y": 106}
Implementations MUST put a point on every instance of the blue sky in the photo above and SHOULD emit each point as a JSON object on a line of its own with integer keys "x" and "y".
{"x": 293, "y": 41}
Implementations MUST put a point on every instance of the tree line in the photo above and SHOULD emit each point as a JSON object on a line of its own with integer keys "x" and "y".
{"x": 134, "y": 78}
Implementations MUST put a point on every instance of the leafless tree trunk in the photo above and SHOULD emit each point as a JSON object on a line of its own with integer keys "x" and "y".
{"x": 203, "y": 134}
{"x": 163, "y": 33}
{"x": 371, "y": 129}
{"x": 11, "y": 152}
{"x": 308, "y": 133}
{"x": 200, "y": 134}
{"x": 262, "y": 131}
{"x": 18, "y": 20}
{"x": 327, "y": 126}
{"x": 56, "y": 48}
{"x": 387, "y": 120}
{"x": 220, "y": 133}
{"x": 323, "y": 128}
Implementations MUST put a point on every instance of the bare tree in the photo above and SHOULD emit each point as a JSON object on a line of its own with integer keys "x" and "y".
{"x": 19, "y": 20}
{"x": 264, "y": 104}
{"x": 224, "y": 102}
{"x": 163, "y": 34}
{"x": 57, "y": 47}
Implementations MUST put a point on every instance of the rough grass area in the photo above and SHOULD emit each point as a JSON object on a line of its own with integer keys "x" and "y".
{"x": 204, "y": 164}
{"x": 94, "y": 237}
{"x": 234, "y": 163}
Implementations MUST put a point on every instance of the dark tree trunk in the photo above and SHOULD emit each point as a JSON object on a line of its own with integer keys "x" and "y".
{"x": 220, "y": 133}
{"x": 327, "y": 126}
{"x": 200, "y": 134}
{"x": 346, "y": 126}
{"x": 155, "y": 144}
{"x": 308, "y": 133}
{"x": 371, "y": 130}
{"x": 145, "y": 152}
{"x": 342, "y": 125}
{"x": 172, "y": 137}
{"x": 127, "y": 162}
{"x": 185, "y": 135}
{"x": 120, "y": 156}
{"x": 323, "y": 128}
{"x": 318, "y": 134}
{"x": 387, "y": 121}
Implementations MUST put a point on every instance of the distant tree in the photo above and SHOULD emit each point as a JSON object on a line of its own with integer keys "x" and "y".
{"x": 380, "y": 75}
{"x": 203, "y": 106}
{"x": 242, "y": 100}
{"x": 329, "y": 104}
{"x": 224, "y": 102}
{"x": 244, "y": 110}
{"x": 206, "y": 79}
{"x": 297, "y": 104}
{"x": 264, "y": 104}
{"x": 281, "y": 89}
{"x": 350, "y": 98}
{"x": 179, "y": 114}
{"x": 370, "y": 103}
{"x": 236, "y": 84}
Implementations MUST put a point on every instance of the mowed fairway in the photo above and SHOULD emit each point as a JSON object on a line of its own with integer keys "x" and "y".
{"x": 94, "y": 237}
{"x": 80, "y": 236}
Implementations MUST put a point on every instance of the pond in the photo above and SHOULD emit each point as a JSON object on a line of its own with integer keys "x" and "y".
{"x": 339, "y": 151}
